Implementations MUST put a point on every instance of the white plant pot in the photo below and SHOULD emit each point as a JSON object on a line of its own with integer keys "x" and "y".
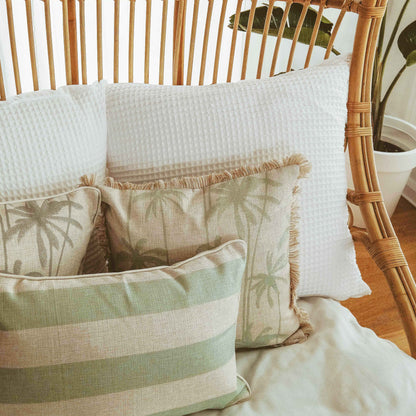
{"x": 393, "y": 169}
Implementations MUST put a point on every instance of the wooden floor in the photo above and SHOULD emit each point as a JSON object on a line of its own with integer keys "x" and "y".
{"x": 378, "y": 311}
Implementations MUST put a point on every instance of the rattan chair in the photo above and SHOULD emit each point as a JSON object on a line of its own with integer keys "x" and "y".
{"x": 379, "y": 237}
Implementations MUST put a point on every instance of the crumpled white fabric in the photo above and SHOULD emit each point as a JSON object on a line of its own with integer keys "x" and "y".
{"x": 342, "y": 369}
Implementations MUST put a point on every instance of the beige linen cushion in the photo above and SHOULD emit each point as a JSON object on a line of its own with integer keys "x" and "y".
{"x": 47, "y": 236}
{"x": 165, "y": 222}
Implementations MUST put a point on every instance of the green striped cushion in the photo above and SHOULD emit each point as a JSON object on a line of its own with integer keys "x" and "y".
{"x": 154, "y": 341}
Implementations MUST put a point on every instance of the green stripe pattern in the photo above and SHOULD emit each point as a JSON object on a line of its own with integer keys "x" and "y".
{"x": 197, "y": 375}
{"x": 85, "y": 303}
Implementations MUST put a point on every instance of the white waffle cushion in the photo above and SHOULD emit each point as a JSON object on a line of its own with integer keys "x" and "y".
{"x": 159, "y": 132}
{"x": 49, "y": 139}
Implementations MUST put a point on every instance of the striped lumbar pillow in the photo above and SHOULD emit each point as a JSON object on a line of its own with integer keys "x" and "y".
{"x": 147, "y": 342}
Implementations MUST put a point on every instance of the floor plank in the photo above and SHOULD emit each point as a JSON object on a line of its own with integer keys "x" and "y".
{"x": 378, "y": 311}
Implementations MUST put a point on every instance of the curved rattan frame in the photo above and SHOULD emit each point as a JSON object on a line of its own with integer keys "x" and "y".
{"x": 379, "y": 237}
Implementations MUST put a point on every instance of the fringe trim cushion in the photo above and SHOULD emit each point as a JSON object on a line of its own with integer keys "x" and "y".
{"x": 147, "y": 342}
{"x": 168, "y": 221}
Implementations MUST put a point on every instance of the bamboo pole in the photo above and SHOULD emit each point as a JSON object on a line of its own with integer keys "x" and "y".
{"x": 163, "y": 42}
{"x": 67, "y": 48}
{"x": 181, "y": 57}
{"x": 279, "y": 37}
{"x": 315, "y": 33}
{"x": 49, "y": 42}
{"x": 100, "y": 39}
{"x": 13, "y": 48}
{"x": 31, "y": 40}
{"x": 2, "y": 89}
{"x": 73, "y": 40}
{"x": 192, "y": 43}
{"x": 296, "y": 35}
{"x": 234, "y": 40}
{"x": 116, "y": 58}
{"x": 264, "y": 37}
{"x": 131, "y": 38}
{"x": 205, "y": 44}
{"x": 248, "y": 37}
{"x": 219, "y": 41}
{"x": 177, "y": 45}
{"x": 147, "y": 40}
{"x": 83, "y": 41}
{"x": 336, "y": 29}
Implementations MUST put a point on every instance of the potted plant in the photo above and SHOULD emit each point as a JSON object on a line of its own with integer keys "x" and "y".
{"x": 394, "y": 139}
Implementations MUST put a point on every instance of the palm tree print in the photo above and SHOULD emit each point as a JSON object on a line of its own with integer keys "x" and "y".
{"x": 243, "y": 197}
{"x": 248, "y": 198}
{"x": 266, "y": 283}
{"x": 45, "y": 218}
{"x": 3, "y": 234}
{"x": 157, "y": 202}
{"x": 136, "y": 257}
{"x": 17, "y": 269}
{"x": 263, "y": 338}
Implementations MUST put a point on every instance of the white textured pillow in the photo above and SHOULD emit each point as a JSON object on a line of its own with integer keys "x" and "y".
{"x": 49, "y": 139}
{"x": 159, "y": 132}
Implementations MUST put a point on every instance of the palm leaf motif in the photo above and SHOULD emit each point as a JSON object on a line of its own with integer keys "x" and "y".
{"x": 17, "y": 269}
{"x": 305, "y": 36}
{"x": 45, "y": 218}
{"x": 266, "y": 283}
{"x": 263, "y": 338}
{"x": 244, "y": 196}
{"x": 157, "y": 203}
{"x": 136, "y": 257}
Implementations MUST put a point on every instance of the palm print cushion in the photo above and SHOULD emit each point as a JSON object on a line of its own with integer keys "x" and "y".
{"x": 47, "y": 236}
{"x": 166, "y": 222}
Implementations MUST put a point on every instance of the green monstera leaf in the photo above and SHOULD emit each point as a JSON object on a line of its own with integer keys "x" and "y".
{"x": 407, "y": 43}
{"x": 324, "y": 32}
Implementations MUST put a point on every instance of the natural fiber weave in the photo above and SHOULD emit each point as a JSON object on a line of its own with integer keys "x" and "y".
{"x": 355, "y": 131}
{"x": 359, "y": 107}
{"x": 371, "y": 12}
{"x": 360, "y": 198}
{"x": 386, "y": 252}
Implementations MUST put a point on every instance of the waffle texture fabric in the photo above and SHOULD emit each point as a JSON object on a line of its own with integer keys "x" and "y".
{"x": 163, "y": 345}
{"x": 161, "y": 132}
{"x": 49, "y": 139}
